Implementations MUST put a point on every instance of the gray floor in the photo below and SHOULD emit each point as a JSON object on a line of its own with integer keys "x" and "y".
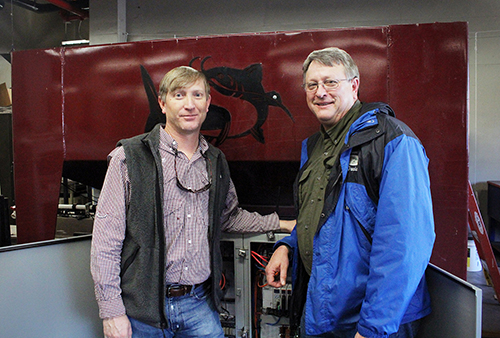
{"x": 491, "y": 306}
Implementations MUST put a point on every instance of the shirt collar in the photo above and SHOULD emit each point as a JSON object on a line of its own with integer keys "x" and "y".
{"x": 338, "y": 129}
{"x": 168, "y": 143}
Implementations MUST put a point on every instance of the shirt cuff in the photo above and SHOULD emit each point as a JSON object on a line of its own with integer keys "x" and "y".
{"x": 275, "y": 221}
{"x": 368, "y": 333}
{"x": 111, "y": 308}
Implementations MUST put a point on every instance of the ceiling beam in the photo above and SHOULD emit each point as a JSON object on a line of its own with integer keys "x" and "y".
{"x": 81, "y": 13}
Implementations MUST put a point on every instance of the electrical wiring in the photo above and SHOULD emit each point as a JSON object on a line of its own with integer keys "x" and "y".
{"x": 258, "y": 281}
{"x": 260, "y": 257}
{"x": 256, "y": 254}
{"x": 222, "y": 282}
{"x": 275, "y": 323}
{"x": 260, "y": 260}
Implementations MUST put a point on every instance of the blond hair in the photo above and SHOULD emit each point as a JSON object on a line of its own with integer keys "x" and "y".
{"x": 181, "y": 77}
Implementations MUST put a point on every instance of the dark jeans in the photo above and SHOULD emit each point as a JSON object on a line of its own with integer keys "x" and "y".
{"x": 192, "y": 315}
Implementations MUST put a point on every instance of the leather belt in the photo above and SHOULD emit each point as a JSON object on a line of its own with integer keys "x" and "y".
{"x": 176, "y": 290}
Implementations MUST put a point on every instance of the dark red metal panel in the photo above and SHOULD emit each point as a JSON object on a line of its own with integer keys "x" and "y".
{"x": 38, "y": 141}
{"x": 428, "y": 90}
{"x": 88, "y": 98}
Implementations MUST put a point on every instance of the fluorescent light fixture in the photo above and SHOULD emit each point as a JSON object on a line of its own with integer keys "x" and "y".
{"x": 74, "y": 42}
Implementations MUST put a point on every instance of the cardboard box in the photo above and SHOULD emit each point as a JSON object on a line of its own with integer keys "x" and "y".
{"x": 5, "y": 96}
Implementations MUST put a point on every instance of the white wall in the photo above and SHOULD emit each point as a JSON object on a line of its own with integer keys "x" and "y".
{"x": 484, "y": 120}
{"x": 5, "y": 72}
{"x": 145, "y": 20}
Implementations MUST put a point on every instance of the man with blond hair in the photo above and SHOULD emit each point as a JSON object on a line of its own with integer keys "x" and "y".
{"x": 167, "y": 195}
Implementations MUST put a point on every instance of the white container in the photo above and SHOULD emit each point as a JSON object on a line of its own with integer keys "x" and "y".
{"x": 473, "y": 261}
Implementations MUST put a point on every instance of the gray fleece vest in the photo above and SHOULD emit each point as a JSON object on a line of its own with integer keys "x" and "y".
{"x": 143, "y": 254}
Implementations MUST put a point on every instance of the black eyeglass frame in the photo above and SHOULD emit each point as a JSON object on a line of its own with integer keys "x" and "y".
{"x": 209, "y": 173}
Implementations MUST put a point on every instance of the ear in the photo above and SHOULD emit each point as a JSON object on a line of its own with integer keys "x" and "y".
{"x": 355, "y": 87}
{"x": 162, "y": 104}
{"x": 209, "y": 99}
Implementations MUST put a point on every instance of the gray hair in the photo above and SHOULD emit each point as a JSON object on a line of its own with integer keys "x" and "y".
{"x": 330, "y": 56}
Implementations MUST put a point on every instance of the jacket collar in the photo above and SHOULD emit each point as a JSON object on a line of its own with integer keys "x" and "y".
{"x": 366, "y": 122}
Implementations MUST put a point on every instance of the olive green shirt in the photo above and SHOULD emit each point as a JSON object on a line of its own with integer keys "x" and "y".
{"x": 314, "y": 179}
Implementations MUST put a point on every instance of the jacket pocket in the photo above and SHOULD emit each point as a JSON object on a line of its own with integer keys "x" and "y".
{"x": 363, "y": 212}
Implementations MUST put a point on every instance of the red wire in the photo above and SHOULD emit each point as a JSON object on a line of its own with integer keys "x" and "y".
{"x": 256, "y": 256}
{"x": 265, "y": 259}
{"x": 222, "y": 282}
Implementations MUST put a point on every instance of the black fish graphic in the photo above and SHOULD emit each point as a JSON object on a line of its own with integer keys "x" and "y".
{"x": 155, "y": 114}
{"x": 245, "y": 84}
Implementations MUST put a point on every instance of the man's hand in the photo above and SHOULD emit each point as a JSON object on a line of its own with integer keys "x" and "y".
{"x": 287, "y": 226}
{"x": 117, "y": 327}
{"x": 358, "y": 335}
{"x": 278, "y": 266}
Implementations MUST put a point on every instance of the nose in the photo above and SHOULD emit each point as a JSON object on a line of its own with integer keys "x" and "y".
{"x": 321, "y": 91}
{"x": 189, "y": 103}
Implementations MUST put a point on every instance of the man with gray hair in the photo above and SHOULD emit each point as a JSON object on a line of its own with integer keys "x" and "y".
{"x": 365, "y": 227}
{"x": 156, "y": 258}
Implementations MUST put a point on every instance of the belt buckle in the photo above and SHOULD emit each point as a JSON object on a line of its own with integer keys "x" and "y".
{"x": 181, "y": 289}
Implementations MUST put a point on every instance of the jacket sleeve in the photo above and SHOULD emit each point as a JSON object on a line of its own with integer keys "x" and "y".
{"x": 290, "y": 241}
{"x": 403, "y": 237}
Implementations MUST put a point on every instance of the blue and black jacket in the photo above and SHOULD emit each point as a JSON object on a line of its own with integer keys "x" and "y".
{"x": 375, "y": 235}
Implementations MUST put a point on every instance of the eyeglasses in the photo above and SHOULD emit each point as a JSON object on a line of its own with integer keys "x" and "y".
{"x": 209, "y": 172}
{"x": 328, "y": 84}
